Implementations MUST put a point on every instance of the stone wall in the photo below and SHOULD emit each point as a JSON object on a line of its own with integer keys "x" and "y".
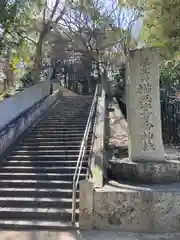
{"x": 123, "y": 209}
{"x": 14, "y": 129}
{"x": 130, "y": 208}
{"x": 11, "y": 107}
{"x": 98, "y": 160}
{"x": 118, "y": 131}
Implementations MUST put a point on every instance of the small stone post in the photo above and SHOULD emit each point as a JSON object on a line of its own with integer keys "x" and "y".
{"x": 86, "y": 204}
{"x": 143, "y": 106}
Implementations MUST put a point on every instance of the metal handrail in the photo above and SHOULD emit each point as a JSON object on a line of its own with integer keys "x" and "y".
{"x": 82, "y": 152}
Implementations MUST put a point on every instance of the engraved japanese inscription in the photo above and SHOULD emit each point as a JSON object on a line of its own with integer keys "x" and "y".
{"x": 144, "y": 94}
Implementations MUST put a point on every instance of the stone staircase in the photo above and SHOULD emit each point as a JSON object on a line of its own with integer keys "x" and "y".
{"x": 36, "y": 173}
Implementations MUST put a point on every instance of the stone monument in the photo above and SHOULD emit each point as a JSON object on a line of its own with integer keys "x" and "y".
{"x": 146, "y": 162}
{"x": 143, "y": 104}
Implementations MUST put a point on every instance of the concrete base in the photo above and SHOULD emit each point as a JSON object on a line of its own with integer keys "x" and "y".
{"x": 137, "y": 208}
{"x": 167, "y": 171}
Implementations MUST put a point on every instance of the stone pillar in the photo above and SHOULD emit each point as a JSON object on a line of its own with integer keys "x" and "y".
{"x": 86, "y": 205}
{"x": 143, "y": 106}
{"x": 98, "y": 160}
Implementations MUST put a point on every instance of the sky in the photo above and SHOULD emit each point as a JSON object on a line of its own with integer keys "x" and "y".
{"x": 136, "y": 30}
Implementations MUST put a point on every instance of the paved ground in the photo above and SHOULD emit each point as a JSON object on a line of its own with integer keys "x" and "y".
{"x": 90, "y": 235}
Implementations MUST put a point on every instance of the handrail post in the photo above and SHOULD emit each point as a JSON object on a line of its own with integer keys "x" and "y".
{"x": 74, "y": 203}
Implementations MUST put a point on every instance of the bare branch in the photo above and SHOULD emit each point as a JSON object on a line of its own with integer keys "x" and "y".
{"x": 54, "y": 9}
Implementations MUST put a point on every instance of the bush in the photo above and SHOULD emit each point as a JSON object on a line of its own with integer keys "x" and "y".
{"x": 27, "y": 79}
{"x": 4, "y": 95}
{"x": 170, "y": 74}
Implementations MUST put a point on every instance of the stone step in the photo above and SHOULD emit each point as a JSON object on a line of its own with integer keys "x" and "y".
{"x": 58, "y": 127}
{"x": 54, "y": 135}
{"x": 56, "y": 131}
{"x": 68, "y": 139}
{"x": 66, "y": 104}
{"x": 37, "y": 202}
{"x": 49, "y": 147}
{"x": 46, "y": 157}
{"x": 69, "y": 110}
{"x": 76, "y": 98}
{"x": 69, "y": 119}
{"x": 18, "y": 225}
{"x": 35, "y": 184}
{"x": 61, "y": 125}
{"x": 41, "y": 163}
{"x": 63, "y": 137}
{"x": 66, "y": 122}
{"x": 47, "y": 152}
{"x": 37, "y": 193}
{"x": 50, "y": 214}
{"x": 54, "y": 143}
{"x": 39, "y": 176}
{"x": 80, "y": 104}
{"x": 25, "y": 170}
{"x": 72, "y": 114}
{"x": 69, "y": 113}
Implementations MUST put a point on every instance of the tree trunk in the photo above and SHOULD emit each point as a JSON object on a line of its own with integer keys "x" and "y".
{"x": 103, "y": 79}
{"x": 2, "y": 5}
{"x": 38, "y": 54}
{"x": 5, "y": 84}
{"x": 38, "y": 60}
{"x": 9, "y": 80}
{"x": 10, "y": 75}
{"x": 106, "y": 85}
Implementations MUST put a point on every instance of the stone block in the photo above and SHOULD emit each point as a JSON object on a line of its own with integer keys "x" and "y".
{"x": 164, "y": 172}
{"x": 137, "y": 208}
{"x": 86, "y": 205}
{"x": 166, "y": 209}
{"x": 123, "y": 209}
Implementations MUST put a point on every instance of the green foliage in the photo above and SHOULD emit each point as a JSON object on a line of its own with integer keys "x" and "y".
{"x": 28, "y": 79}
{"x": 170, "y": 73}
{"x": 15, "y": 22}
{"x": 4, "y": 95}
{"x": 119, "y": 83}
{"x": 162, "y": 24}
